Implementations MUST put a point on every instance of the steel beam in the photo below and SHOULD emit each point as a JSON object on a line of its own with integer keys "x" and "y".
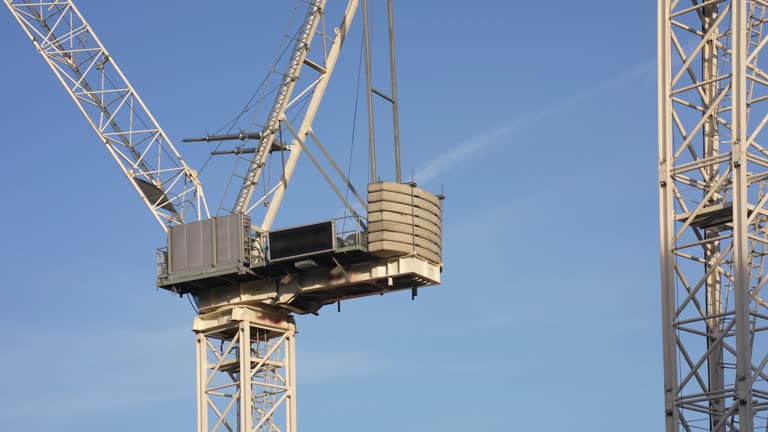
{"x": 309, "y": 115}
{"x": 667, "y": 219}
{"x": 125, "y": 126}
{"x": 246, "y": 370}
{"x": 712, "y": 202}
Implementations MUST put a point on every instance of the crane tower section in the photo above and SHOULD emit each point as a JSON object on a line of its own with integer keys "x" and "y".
{"x": 713, "y": 190}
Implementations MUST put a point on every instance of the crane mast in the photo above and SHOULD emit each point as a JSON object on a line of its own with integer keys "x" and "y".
{"x": 713, "y": 191}
{"x": 129, "y": 131}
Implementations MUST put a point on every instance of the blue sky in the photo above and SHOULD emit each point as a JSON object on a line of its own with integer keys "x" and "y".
{"x": 537, "y": 118}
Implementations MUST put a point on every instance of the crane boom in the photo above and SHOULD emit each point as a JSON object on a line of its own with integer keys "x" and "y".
{"x": 114, "y": 110}
{"x": 280, "y": 104}
{"x": 305, "y": 128}
{"x": 315, "y": 92}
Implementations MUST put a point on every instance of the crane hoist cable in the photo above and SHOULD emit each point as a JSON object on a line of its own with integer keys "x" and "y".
{"x": 354, "y": 127}
{"x": 299, "y": 107}
{"x": 281, "y": 50}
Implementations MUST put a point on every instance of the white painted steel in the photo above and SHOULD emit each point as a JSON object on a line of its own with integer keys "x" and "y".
{"x": 372, "y": 168}
{"x": 309, "y": 115}
{"x": 290, "y": 77}
{"x": 393, "y": 98}
{"x": 246, "y": 370}
{"x": 713, "y": 190}
{"x": 132, "y": 136}
{"x": 282, "y": 292}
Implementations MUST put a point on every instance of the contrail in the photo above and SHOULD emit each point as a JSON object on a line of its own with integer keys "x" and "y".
{"x": 501, "y": 135}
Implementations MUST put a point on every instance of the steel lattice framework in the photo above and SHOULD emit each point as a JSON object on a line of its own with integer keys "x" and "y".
{"x": 112, "y": 107}
{"x": 321, "y": 65}
{"x": 713, "y": 179}
{"x": 282, "y": 101}
{"x": 245, "y": 371}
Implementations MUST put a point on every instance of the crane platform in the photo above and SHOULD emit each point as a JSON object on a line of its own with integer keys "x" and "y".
{"x": 224, "y": 261}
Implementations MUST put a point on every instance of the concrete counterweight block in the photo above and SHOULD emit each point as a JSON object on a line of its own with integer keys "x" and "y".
{"x": 404, "y": 220}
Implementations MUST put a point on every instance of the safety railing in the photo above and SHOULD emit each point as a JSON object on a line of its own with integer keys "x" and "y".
{"x": 350, "y": 233}
{"x": 162, "y": 262}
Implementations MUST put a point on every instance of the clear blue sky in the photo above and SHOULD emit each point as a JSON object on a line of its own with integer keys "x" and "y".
{"x": 538, "y": 119}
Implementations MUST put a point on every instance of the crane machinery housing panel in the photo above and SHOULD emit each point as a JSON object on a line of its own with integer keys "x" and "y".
{"x": 292, "y": 243}
{"x": 215, "y": 246}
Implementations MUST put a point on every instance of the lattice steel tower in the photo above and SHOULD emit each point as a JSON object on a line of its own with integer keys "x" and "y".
{"x": 713, "y": 184}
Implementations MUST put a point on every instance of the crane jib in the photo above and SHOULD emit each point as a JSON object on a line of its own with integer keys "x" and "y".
{"x": 110, "y": 104}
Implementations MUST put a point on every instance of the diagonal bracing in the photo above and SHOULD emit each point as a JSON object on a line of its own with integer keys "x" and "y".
{"x": 142, "y": 150}
{"x": 246, "y": 371}
{"x": 316, "y": 70}
{"x": 713, "y": 183}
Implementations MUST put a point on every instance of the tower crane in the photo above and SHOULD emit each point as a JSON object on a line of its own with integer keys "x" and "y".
{"x": 713, "y": 191}
{"x": 247, "y": 280}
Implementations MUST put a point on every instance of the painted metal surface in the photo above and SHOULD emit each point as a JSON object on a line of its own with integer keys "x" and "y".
{"x": 124, "y": 125}
{"x": 282, "y": 101}
{"x": 713, "y": 190}
{"x": 215, "y": 245}
{"x": 309, "y": 116}
{"x": 246, "y": 375}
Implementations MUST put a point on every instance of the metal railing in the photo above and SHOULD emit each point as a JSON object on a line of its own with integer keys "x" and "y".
{"x": 162, "y": 262}
{"x": 350, "y": 233}
{"x": 259, "y": 249}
